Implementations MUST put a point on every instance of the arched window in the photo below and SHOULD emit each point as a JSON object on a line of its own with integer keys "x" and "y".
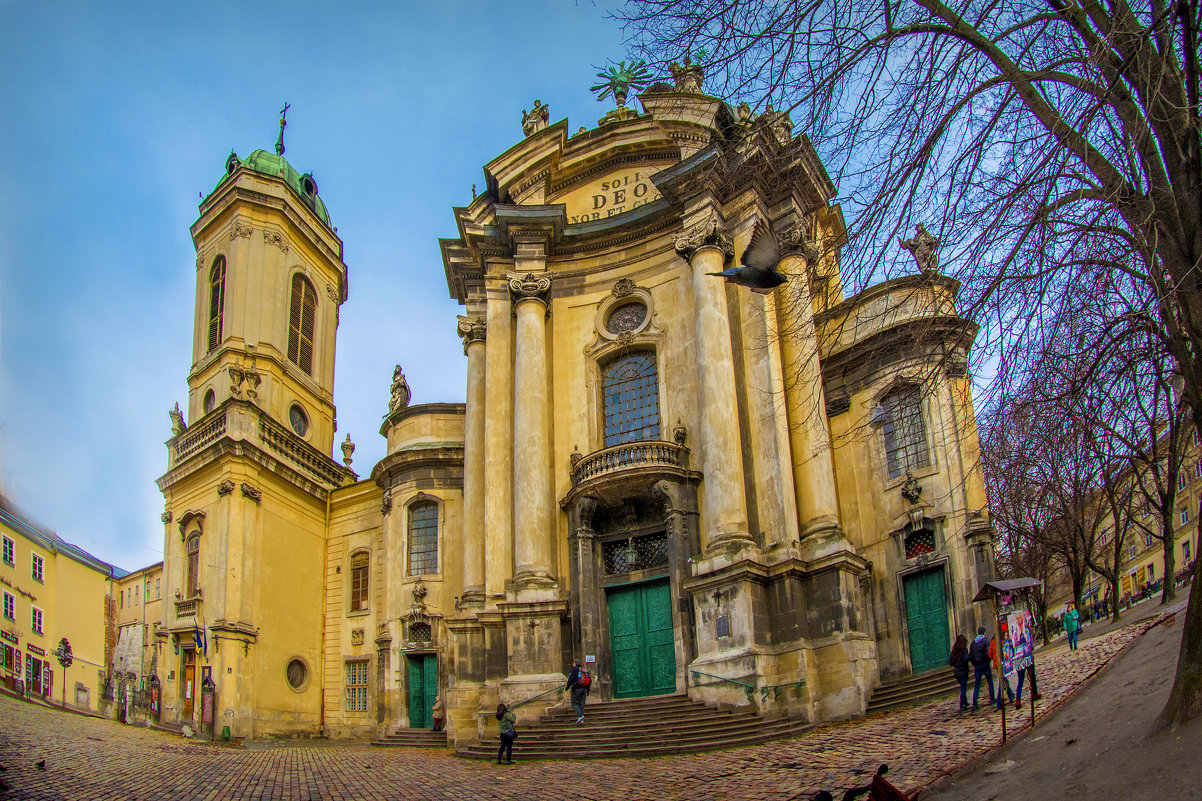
{"x": 216, "y": 301}
{"x": 301, "y": 313}
{"x": 423, "y": 538}
{"x": 630, "y": 393}
{"x": 359, "y": 583}
{"x": 905, "y": 432}
{"x": 193, "y": 574}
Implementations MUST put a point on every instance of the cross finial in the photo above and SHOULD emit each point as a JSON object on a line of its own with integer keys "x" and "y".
{"x": 279, "y": 143}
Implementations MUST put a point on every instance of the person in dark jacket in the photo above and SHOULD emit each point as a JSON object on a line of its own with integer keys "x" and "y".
{"x": 978, "y": 655}
{"x": 958, "y": 659}
{"x": 506, "y": 721}
{"x": 579, "y": 690}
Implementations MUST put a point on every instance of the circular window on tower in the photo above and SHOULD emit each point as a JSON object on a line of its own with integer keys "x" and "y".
{"x": 627, "y": 317}
{"x": 298, "y": 674}
{"x": 298, "y": 419}
{"x": 210, "y": 401}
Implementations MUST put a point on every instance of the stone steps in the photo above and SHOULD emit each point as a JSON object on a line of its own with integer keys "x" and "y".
{"x": 913, "y": 689}
{"x": 638, "y": 728}
{"x": 413, "y": 738}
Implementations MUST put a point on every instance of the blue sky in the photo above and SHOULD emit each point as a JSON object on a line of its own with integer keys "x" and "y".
{"x": 115, "y": 117}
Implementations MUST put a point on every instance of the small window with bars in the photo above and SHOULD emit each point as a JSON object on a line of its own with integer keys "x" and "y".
{"x": 920, "y": 542}
{"x": 423, "y": 538}
{"x": 359, "y": 581}
{"x": 635, "y": 553}
{"x": 904, "y": 430}
{"x": 356, "y": 686}
{"x": 301, "y": 314}
{"x": 216, "y": 301}
{"x": 420, "y": 632}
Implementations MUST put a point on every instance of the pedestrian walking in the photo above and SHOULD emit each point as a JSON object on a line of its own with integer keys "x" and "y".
{"x": 439, "y": 713}
{"x": 579, "y": 683}
{"x": 978, "y": 656}
{"x": 509, "y": 733}
{"x": 1072, "y": 625}
{"x": 958, "y": 659}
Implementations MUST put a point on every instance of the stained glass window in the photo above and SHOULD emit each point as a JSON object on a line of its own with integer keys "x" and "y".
{"x": 423, "y": 538}
{"x": 904, "y": 431}
{"x": 627, "y": 317}
{"x": 630, "y": 390}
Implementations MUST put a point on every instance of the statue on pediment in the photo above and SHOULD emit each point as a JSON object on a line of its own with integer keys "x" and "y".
{"x": 400, "y": 391}
{"x": 536, "y": 118}
{"x": 922, "y": 248}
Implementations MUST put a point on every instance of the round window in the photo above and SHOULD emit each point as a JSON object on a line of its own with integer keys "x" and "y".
{"x": 210, "y": 401}
{"x": 297, "y": 673}
{"x": 298, "y": 419}
{"x": 627, "y": 317}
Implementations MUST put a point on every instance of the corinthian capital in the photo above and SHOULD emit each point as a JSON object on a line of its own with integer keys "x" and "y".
{"x": 797, "y": 241}
{"x": 472, "y": 329}
{"x": 706, "y": 234}
{"x": 530, "y": 286}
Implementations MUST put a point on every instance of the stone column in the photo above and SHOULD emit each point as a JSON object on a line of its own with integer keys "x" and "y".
{"x": 498, "y": 446}
{"x": 724, "y": 504}
{"x": 533, "y": 505}
{"x": 588, "y": 623}
{"x": 805, "y": 402}
{"x": 472, "y": 329}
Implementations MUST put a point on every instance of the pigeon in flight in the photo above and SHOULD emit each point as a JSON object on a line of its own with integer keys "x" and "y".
{"x": 758, "y": 270}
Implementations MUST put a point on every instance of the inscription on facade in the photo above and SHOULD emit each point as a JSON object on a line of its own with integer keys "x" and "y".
{"x": 614, "y": 194}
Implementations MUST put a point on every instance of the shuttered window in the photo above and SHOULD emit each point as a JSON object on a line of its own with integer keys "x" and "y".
{"x": 216, "y": 301}
{"x": 302, "y": 312}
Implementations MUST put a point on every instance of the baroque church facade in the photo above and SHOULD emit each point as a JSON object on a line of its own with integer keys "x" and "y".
{"x": 752, "y": 498}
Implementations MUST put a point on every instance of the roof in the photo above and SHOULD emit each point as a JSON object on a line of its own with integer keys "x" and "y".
{"x": 18, "y": 522}
{"x": 267, "y": 163}
{"x": 1008, "y": 585}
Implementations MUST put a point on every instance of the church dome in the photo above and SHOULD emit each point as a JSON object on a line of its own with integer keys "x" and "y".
{"x": 267, "y": 163}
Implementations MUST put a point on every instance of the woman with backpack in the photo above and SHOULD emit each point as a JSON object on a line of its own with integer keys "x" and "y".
{"x": 958, "y": 659}
{"x": 509, "y": 733}
{"x": 579, "y": 683}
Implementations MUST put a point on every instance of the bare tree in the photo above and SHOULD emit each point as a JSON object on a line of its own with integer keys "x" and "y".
{"x": 1022, "y": 133}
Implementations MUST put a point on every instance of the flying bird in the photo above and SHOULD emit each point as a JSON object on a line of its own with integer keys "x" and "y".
{"x": 758, "y": 270}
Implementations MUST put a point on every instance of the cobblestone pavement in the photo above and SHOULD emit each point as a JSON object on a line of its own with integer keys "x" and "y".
{"x": 89, "y": 758}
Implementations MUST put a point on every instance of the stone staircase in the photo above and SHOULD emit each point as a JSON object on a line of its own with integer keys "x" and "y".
{"x": 413, "y": 738}
{"x": 643, "y": 727}
{"x": 913, "y": 689}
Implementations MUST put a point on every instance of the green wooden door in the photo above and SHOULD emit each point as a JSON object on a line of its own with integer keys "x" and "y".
{"x": 926, "y": 615}
{"x": 423, "y": 688}
{"x": 642, "y": 640}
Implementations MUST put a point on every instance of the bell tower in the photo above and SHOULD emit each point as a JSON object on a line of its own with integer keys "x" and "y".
{"x": 269, "y": 282}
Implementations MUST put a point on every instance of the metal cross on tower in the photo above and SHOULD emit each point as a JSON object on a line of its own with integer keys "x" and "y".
{"x": 279, "y": 143}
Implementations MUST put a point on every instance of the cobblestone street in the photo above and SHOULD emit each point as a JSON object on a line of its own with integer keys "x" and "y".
{"x": 88, "y": 758}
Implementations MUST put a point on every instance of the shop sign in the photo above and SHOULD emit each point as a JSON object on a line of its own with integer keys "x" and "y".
{"x": 33, "y": 648}
{"x": 10, "y": 637}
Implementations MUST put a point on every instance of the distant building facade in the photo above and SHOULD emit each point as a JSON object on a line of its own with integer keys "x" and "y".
{"x": 52, "y": 590}
{"x": 689, "y": 486}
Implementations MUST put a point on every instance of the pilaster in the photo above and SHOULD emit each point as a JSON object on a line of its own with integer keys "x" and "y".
{"x": 473, "y": 329}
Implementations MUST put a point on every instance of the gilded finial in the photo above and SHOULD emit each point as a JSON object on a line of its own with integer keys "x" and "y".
{"x": 279, "y": 143}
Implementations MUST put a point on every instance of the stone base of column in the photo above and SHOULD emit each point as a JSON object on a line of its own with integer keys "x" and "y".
{"x": 820, "y": 543}
{"x": 472, "y": 598}
{"x": 463, "y": 718}
{"x": 817, "y": 525}
{"x": 535, "y": 578}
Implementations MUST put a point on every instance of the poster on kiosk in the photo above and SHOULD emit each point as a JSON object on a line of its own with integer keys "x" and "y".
{"x": 1017, "y": 646}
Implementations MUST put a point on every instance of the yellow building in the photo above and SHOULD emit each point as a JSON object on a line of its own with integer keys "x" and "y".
{"x": 52, "y": 590}
{"x": 654, "y": 471}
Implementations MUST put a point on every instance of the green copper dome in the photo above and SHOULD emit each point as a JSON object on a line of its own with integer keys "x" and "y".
{"x": 266, "y": 163}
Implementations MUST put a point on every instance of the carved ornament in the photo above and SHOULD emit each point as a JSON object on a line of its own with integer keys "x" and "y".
{"x": 687, "y": 77}
{"x": 273, "y": 238}
{"x": 237, "y": 376}
{"x": 536, "y": 118}
{"x": 239, "y": 229}
{"x": 356, "y": 636}
{"x": 178, "y": 426}
{"x": 254, "y": 494}
{"x": 529, "y": 287}
{"x": 348, "y": 448}
{"x": 165, "y": 517}
{"x": 912, "y": 490}
{"x": 225, "y": 487}
{"x": 623, "y": 287}
{"x": 796, "y": 240}
{"x": 706, "y": 234}
{"x": 386, "y": 502}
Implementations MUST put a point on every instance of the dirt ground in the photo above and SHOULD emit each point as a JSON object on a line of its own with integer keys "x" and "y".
{"x": 1099, "y": 745}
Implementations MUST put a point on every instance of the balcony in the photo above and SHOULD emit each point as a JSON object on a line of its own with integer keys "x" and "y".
{"x": 186, "y": 607}
{"x": 631, "y": 464}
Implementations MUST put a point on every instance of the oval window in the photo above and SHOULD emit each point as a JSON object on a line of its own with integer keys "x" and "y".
{"x": 297, "y": 673}
{"x": 298, "y": 419}
{"x": 627, "y": 317}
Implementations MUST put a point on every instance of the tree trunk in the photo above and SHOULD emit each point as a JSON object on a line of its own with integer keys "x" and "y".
{"x": 1185, "y": 699}
{"x": 1170, "y": 569}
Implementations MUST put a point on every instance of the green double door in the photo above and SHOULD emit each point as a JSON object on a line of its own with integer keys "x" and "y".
{"x": 642, "y": 640}
{"x": 926, "y": 615}
{"x": 423, "y": 689}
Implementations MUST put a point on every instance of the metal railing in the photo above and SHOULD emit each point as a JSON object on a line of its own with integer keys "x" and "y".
{"x": 751, "y": 689}
{"x": 556, "y": 690}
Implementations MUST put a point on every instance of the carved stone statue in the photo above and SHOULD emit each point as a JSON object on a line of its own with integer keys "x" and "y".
{"x": 536, "y": 118}
{"x": 688, "y": 77}
{"x": 922, "y": 247}
{"x": 400, "y": 391}
{"x": 178, "y": 426}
